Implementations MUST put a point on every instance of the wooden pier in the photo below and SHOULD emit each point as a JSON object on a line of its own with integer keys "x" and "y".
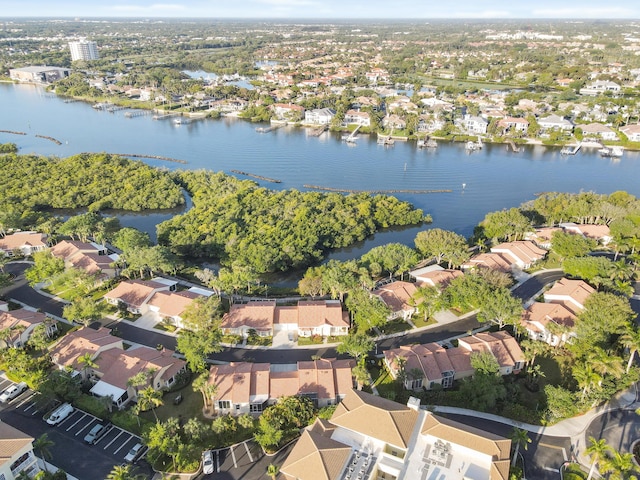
{"x": 137, "y": 113}
{"x": 513, "y": 146}
{"x": 259, "y": 177}
{"x": 316, "y": 132}
{"x": 571, "y": 149}
{"x": 269, "y": 129}
{"x": 383, "y": 192}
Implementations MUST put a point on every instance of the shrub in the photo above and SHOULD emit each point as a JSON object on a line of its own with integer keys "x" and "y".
{"x": 93, "y": 405}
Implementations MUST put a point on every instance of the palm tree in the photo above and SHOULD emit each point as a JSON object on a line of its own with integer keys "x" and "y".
{"x": 208, "y": 390}
{"x": 87, "y": 361}
{"x": 596, "y": 451}
{"x": 123, "y": 472}
{"x": 42, "y": 444}
{"x": 519, "y": 437}
{"x": 620, "y": 466}
{"x": 605, "y": 363}
{"x": 150, "y": 398}
{"x": 533, "y": 349}
{"x": 586, "y": 377}
{"x": 631, "y": 339}
{"x": 273, "y": 470}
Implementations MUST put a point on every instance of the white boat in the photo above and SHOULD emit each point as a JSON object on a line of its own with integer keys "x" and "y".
{"x": 611, "y": 152}
{"x": 181, "y": 121}
{"x": 471, "y": 146}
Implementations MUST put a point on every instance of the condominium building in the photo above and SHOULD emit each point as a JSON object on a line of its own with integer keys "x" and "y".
{"x": 83, "y": 50}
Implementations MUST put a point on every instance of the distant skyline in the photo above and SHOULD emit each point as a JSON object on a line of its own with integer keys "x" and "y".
{"x": 321, "y": 9}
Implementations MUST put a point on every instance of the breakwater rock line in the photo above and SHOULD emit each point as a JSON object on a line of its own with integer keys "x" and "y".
{"x": 155, "y": 157}
{"x": 12, "y": 132}
{"x": 383, "y": 192}
{"x": 57, "y": 142}
{"x": 259, "y": 177}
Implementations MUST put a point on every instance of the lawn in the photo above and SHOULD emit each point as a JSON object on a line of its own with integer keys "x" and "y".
{"x": 419, "y": 321}
{"x": 395, "y": 326}
{"x": 191, "y": 406}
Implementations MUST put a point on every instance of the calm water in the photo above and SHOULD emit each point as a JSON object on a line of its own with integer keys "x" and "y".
{"x": 495, "y": 178}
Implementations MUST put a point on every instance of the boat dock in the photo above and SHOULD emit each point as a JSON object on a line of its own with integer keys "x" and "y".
{"x": 352, "y": 137}
{"x": 571, "y": 149}
{"x": 427, "y": 143}
{"x": 383, "y": 192}
{"x": 513, "y": 146}
{"x": 259, "y": 177}
{"x": 137, "y": 113}
{"x": 316, "y": 132}
{"x": 162, "y": 116}
{"x": 269, "y": 129}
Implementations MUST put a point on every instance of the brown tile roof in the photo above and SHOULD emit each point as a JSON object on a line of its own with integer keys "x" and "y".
{"x": 577, "y": 290}
{"x": 172, "y": 304}
{"x": 68, "y": 248}
{"x": 258, "y": 315}
{"x": 286, "y": 315}
{"x": 543, "y": 313}
{"x": 91, "y": 262}
{"x": 473, "y": 438}
{"x": 134, "y": 292}
{"x": 85, "y": 340}
{"x": 22, "y": 239}
{"x": 12, "y": 441}
{"x": 394, "y": 423}
{"x": 439, "y": 277}
{"x": 316, "y": 457}
{"x": 321, "y": 312}
{"x": 524, "y": 251}
{"x": 20, "y": 316}
{"x": 118, "y": 366}
{"x": 495, "y": 261}
{"x": 503, "y": 346}
{"x": 430, "y": 358}
{"x": 396, "y": 295}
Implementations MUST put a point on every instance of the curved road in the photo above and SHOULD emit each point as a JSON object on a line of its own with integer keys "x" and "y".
{"x": 21, "y": 291}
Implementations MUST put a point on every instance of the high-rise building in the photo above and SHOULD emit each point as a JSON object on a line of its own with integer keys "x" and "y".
{"x": 83, "y": 50}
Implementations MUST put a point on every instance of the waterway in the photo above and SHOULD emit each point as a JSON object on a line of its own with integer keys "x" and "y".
{"x": 493, "y": 178}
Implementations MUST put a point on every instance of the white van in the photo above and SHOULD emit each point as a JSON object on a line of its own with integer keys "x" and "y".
{"x": 59, "y": 414}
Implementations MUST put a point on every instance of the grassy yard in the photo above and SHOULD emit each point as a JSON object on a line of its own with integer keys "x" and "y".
{"x": 191, "y": 406}
{"x": 395, "y": 326}
{"x": 419, "y": 321}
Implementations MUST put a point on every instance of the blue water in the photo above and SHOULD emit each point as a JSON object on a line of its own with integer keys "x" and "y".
{"x": 495, "y": 178}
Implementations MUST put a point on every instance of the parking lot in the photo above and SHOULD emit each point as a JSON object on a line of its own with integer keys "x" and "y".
{"x": 70, "y": 452}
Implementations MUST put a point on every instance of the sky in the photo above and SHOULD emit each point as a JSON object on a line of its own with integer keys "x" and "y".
{"x": 325, "y": 9}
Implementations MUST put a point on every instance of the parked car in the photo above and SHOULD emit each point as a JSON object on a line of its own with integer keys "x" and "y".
{"x": 207, "y": 462}
{"x": 96, "y": 433}
{"x": 134, "y": 453}
{"x": 59, "y": 414}
{"x": 13, "y": 391}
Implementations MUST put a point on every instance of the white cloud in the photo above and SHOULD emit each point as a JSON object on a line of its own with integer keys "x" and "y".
{"x": 157, "y": 7}
{"x": 582, "y": 12}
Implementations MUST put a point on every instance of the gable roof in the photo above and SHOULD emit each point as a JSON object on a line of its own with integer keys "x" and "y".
{"x": 172, "y": 304}
{"x": 12, "y": 441}
{"x": 85, "y": 340}
{"x": 258, "y": 315}
{"x": 396, "y": 295}
{"x": 543, "y": 313}
{"x": 134, "y": 293}
{"x": 21, "y": 316}
{"x": 394, "y": 423}
{"x": 524, "y": 251}
{"x": 577, "y": 291}
{"x": 316, "y": 456}
{"x": 22, "y": 239}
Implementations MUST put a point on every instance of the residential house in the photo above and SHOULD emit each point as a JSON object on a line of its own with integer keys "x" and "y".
{"x": 598, "y": 130}
{"x": 513, "y": 124}
{"x": 522, "y": 254}
{"x": 17, "y": 459}
{"x": 75, "y": 344}
{"x": 601, "y": 233}
{"x": 431, "y": 364}
{"x": 288, "y": 111}
{"x": 548, "y": 322}
{"x": 434, "y": 276}
{"x": 171, "y": 305}
{"x": 632, "y": 132}
{"x": 89, "y": 257}
{"x": 555, "y": 122}
{"x": 494, "y": 261}
{"x": 394, "y": 122}
{"x": 307, "y": 318}
{"x": 356, "y": 117}
{"x": 248, "y": 387}
{"x": 542, "y": 236}
{"x": 473, "y": 124}
{"x": 23, "y": 243}
{"x": 16, "y": 326}
{"x": 377, "y": 75}
{"x": 134, "y": 295}
{"x": 115, "y": 367}
{"x": 319, "y": 116}
{"x": 600, "y": 87}
{"x": 571, "y": 293}
{"x": 403, "y": 443}
{"x": 398, "y": 296}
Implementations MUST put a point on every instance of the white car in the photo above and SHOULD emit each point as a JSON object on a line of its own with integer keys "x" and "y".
{"x": 134, "y": 453}
{"x": 13, "y": 391}
{"x": 207, "y": 462}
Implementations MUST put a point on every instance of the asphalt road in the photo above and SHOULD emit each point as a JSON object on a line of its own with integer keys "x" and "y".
{"x": 620, "y": 428}
{"x": 532, "y": 286}
{"x": 21, "y": 291}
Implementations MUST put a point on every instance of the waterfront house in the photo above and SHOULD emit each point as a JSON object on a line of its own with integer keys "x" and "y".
{"x": 600, "y": 233}
{"x": 542, "y": 236}
{"x": 555, "y": 122}
{"x": 18, "y": 459}
{"x": 403, "y": 443}
{"x": 600, "y": 87}
{"x": 434, "y": 276}
{"x": 17, "y": 326}
{"x": 134, "y": 295}
{"x": 473, "y": 124}
{"x": 23, "y": 243}
{"x": 288, "y": 111}
{"x": 398, "y": 296}
{"x": 115, "y": 367}
{"x": 394, "y": 122}
{"x": 319, "y": 116}
{"x": 430, "y": 364}
{"x": 632, "y": 132}
{"x": 356, "y": 117}
{"x": 248, "y": 387}
{"x": 513, "y": 124}
{"x": 599, "y": 131}
{"x": 494, "y": 261}
{"x": 521, "y": 254}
